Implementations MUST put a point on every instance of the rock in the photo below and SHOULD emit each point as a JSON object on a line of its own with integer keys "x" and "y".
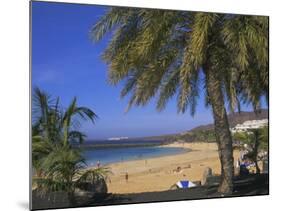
{"x": 90, "y": 190}
{"x": 206, "y": 175}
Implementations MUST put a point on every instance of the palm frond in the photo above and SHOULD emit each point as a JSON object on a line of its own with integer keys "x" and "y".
{"x": 91, "y": 175}
{"x": 106, "y": 23}
{"x": 200, "y": 37}
{"x": 76, "y": 136}
{"x": 229, "y": 43}
{"x": 168, "y": 87}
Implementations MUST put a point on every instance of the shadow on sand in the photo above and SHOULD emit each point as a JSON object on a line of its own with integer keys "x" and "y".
{"x": 249, "y": 185}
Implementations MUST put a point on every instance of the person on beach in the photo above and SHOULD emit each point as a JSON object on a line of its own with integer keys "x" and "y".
{"x": 126, "y": 176}
{"x": 98, "y": 164}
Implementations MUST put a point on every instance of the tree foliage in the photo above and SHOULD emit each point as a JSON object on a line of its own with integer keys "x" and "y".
{"x": 249, "y": 139}
{"x": 160, "y": 53}
{"x": 257, "y": 144}
{"x": 58, "y": 165}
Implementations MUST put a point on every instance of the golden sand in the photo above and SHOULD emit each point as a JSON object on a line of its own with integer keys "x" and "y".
{"x": 158, "y": 174}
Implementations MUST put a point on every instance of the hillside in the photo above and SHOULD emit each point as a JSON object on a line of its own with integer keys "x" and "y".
{"x": 205, "y": 132}
{"x": 236, "y": 118}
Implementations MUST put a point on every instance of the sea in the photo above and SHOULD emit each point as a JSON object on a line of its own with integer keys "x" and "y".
{"x": 107, "y": 152}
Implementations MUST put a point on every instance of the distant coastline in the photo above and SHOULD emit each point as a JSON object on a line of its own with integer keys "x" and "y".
{"x": 121, "y": 143}
{"x": 234, "y": 119}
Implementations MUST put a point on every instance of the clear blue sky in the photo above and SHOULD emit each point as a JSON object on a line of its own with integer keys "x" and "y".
{"x": 66, "y": 63}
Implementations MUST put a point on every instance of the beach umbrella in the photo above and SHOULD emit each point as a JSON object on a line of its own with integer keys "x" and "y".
{"x": 185, "y": 184}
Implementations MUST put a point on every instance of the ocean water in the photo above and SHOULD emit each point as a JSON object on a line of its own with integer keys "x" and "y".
{"x": 107, "y": 155}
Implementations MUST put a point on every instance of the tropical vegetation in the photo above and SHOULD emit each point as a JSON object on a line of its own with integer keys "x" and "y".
{"x": 256, "y": 141}
{"x": 198, "y": 136}
{"x": 162, "y": 53}
{"x": 57, "y": 164}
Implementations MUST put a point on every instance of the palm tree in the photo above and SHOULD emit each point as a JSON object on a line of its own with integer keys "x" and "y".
{"x": 56, "y": 125}
{"x": 164, "y": 53}
{"x": 40, "y": 149}
{"x": 257, "y": 140}
{"x": 65, "y": 169}
{"x": 264, "y": 139}
{"x": 58, "y": 165}
{"x": 69, "y": 120}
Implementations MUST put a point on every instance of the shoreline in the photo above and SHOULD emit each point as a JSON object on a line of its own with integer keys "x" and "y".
{"x": 185, "y": 150}
{"x": 160, "y": 173}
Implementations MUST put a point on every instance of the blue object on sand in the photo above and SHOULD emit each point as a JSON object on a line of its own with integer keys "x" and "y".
{"x": 185, "y": 184}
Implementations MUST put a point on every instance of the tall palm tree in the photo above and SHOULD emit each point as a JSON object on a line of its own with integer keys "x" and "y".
{"x": 164, "y": 53}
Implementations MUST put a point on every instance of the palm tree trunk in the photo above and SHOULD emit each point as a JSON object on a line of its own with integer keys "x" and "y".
{"x": 222, "y": 132}
{"x": 256, "y": 146}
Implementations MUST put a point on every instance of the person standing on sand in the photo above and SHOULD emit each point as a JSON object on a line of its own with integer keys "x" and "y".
{"x": 126, "y": 176}
{"x": 98, "y": 164}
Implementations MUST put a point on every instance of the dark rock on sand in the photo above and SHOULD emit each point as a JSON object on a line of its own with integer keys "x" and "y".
{"x": 89, "y": 190}
{"x": 206, "y": 176}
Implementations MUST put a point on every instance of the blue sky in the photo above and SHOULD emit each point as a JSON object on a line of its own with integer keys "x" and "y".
{"x": 66, "y": 63}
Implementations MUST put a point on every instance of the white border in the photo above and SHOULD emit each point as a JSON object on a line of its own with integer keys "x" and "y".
{"x": 14, "y": 111}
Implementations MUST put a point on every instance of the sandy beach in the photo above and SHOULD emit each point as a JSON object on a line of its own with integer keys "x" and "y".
{"x": 159, "y": 174}
{"x": 150, "y": 180}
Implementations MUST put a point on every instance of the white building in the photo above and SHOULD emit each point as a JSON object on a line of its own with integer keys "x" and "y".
{"x": 118, "y": 138}
{"x": 251, "y": 124}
